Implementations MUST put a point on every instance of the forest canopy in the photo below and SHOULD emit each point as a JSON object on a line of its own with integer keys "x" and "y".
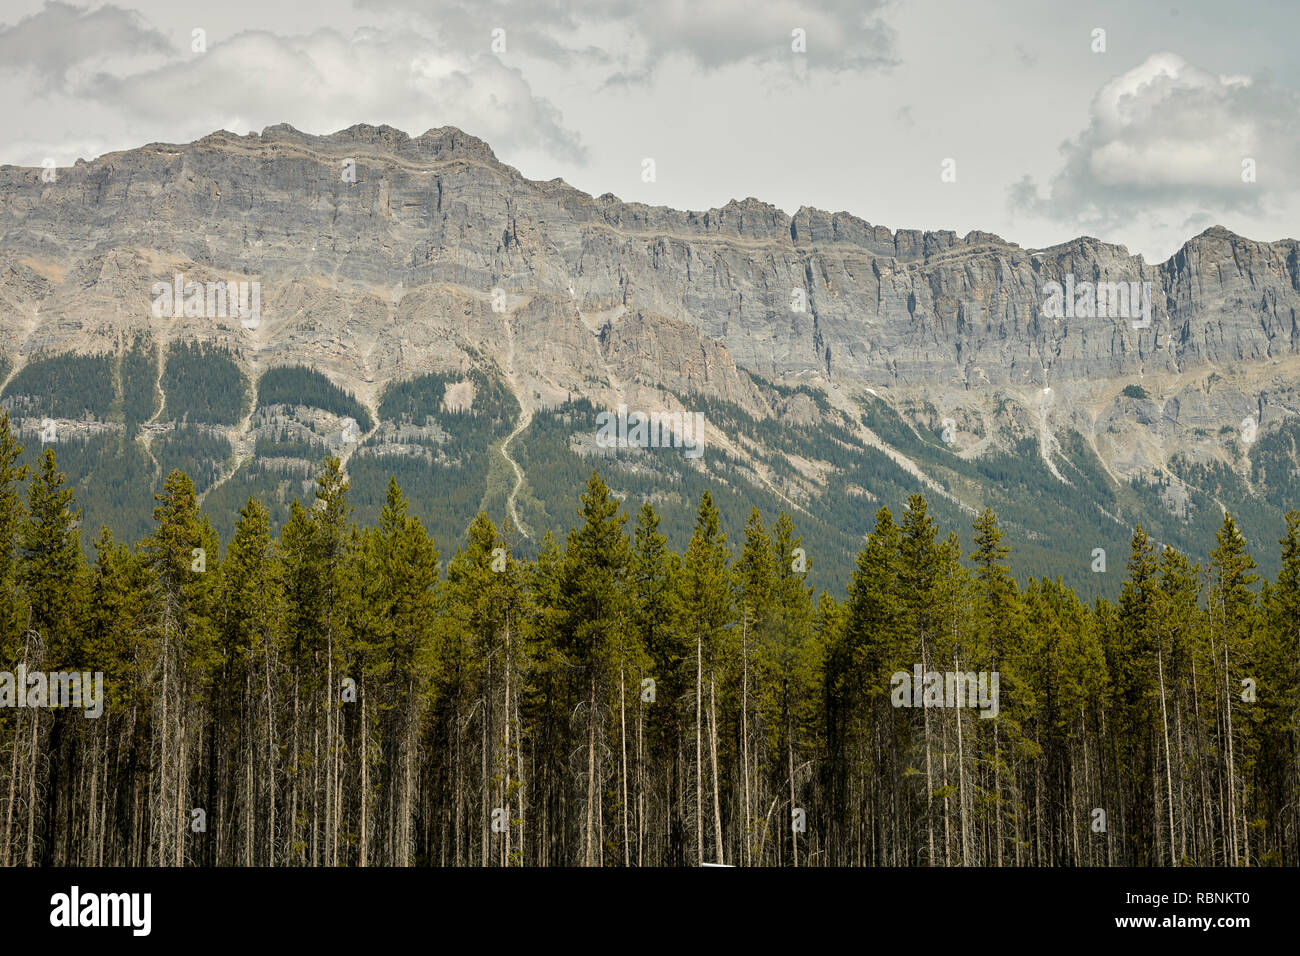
{"x": 350, "y": 696}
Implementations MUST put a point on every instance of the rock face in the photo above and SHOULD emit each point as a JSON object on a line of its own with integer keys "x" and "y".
{"x": 382, "y": 256}
{"x": 380, "y": 233}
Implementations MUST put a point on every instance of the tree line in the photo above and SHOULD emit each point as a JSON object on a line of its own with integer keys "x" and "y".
{"x": 340, "y": 696}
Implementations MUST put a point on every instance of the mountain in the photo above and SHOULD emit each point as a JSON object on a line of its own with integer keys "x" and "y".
{"x": 425, "y": 311}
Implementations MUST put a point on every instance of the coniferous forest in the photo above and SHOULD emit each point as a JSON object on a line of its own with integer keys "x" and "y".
{"x": 359, "y": 696}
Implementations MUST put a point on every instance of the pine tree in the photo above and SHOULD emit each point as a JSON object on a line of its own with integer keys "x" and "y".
{"x": 755, "y": 574}
{"x": 873, "y": 644}
{"x": 707, "y": 614}
{"x": 181, "y": 560}
{"x": 12, "y": 474}
{"x": 1178, "y": 631}
{"x": 1278, "y": 765}
{"x": 407, "y": 564}
{"x": 661, "y": 715}
{"x": 50, "y": 572}
{"x": 250, "y": 633}
{"x": 49, "y": 548}
{"x": 1231, "y": 606}
{"x": 593, "y": 600}
{"x": 792, "y": 659}
{"x": 997, "y": 620}
{"x": 1132, "y": 664}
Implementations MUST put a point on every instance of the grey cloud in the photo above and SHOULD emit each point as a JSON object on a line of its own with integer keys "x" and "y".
{"x": 840, "y": 34}
{"x": 325, "y": 81}
{"x": 62, "y": 36}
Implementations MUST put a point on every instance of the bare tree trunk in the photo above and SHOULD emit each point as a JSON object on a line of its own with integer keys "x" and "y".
{"x": 997, "y": 791}
{"x": 622, "y": 714}
{"x": 270, "y": 755}
{"x": 961, "y": 778}
{"x": 943, "y": 751}
{"x": 507, "y": 800}
{"x": 699, "y": 746}
{"x": 589, "y": 856}
{"x": 929, "y": 773}
{"x": 162, "y": 774}
{"x": 458, "y": 795}
{"x": 34, "y": 721}
{"x": 315, "y": 789}
{"x": 640, "y": 792}
{"x": 330, "y": 832}
{"x": 794, "y": 834}
{"x": 485, "y": 808}
{"x": 250, "y": 792}
{"x": 406, "y": 788}
{"x": 1200, "y": 764}
{"x": 14, "y": 785}
{"x": 1169, "y": 780}
{"x": 1244, "y": 851}
{"x": 519, "y": 770}
{"x": 363, "y": 848}
{"x": 713, "y": 766}
{"x": 293, "y": 802}
{"x": 744, "y": 727}
{"x": 181, "y": 829}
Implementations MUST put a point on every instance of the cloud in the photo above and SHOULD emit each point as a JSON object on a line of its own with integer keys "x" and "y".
{"x": 326, "y": 81}
{"x": 1168, "y": 140}
{"x": 62, "y": 37}
{"x": 841, "y": 35}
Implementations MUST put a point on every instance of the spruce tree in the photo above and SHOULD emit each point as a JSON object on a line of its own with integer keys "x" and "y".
{"x": 593, "y": 600}
{"x": 12, "y": 474}
{"x": 49, "y": 550}
{"x": 708, "y": 615}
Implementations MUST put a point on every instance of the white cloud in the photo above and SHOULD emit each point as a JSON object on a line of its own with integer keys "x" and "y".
{"x": 1167, "y": 140}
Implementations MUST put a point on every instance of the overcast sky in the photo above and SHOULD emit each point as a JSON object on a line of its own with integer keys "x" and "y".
{"x": 1142, "y": 144}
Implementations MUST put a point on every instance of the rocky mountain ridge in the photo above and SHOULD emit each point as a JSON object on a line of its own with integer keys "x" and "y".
{"x": 383, "y": 257}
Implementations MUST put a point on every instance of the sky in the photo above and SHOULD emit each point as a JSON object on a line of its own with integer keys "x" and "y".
{"x": 1141, "y": 124}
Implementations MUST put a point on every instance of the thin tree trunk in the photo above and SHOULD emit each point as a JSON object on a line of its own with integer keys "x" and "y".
{"x": 699, "y": 746}
{"x": 622, "y": 714}
{"x": 1169, "y": 780}
{"x": 14, "y": 785}
{"x": 744, "y": 728}
{"x": 794, "y": 834}
{"x": 961, "y": 779}
{"x": 363, "y": 848}
{"x": 162, "y": 773}
{"x": 507, "y": 795}
{"x": 713, "y": 765}
{"x": 591, "y": 774}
